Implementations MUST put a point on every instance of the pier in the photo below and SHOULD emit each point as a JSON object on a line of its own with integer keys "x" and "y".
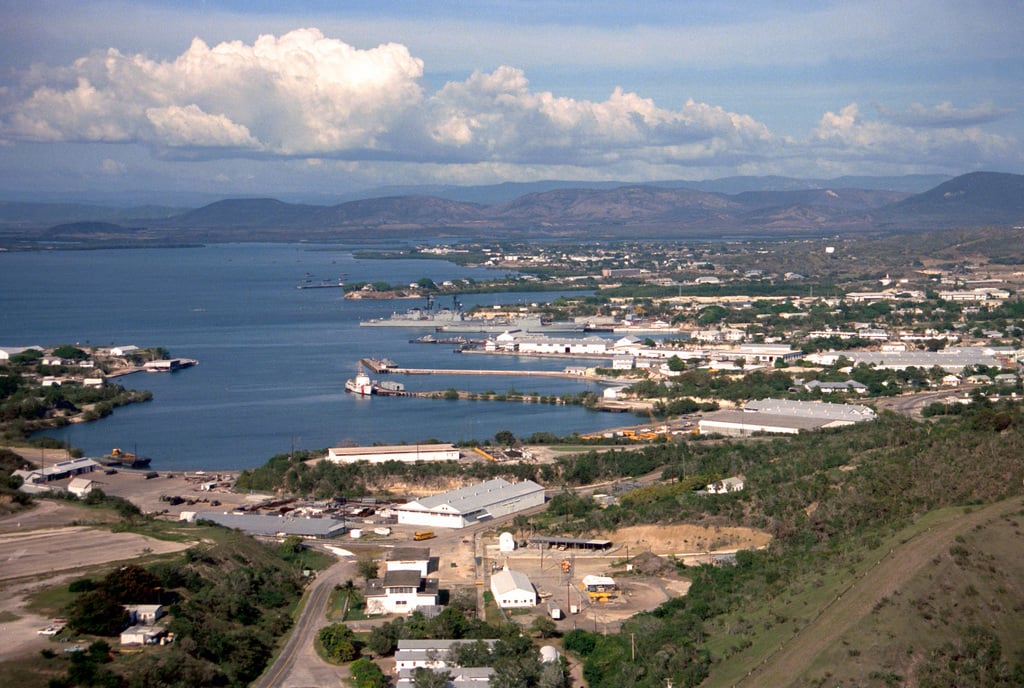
{"x": 381, "y": 366}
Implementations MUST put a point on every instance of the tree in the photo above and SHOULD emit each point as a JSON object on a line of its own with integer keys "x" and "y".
{"x": 70, "y": 352}
{"x": 366, "y": 674}
{"x": 97, "y": 613}
{"x": 425, "y": 678}
{"x": 339, "y": 643}
{"x": 504, "y": 438}
{"x": 367, "y": 567}
{"x": 544, "y": 627}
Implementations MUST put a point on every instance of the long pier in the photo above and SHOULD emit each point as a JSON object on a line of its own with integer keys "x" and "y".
{"x": 389, "y": 367}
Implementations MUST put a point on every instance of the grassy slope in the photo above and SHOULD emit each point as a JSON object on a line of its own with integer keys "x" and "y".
{"x": 881, "y": 618}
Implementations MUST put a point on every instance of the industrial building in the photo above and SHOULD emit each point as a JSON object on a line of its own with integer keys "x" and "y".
{"x": 407, "y": 453}
{"x": 471, "y": 504}
{"x": 781, "y": 416}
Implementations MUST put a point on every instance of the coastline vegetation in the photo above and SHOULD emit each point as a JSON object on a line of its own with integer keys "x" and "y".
{"x": 41, "y": 390}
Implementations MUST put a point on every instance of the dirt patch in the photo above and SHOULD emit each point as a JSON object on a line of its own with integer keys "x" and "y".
{"x": 685, "y": 540}
{"x": 33, "y": 559}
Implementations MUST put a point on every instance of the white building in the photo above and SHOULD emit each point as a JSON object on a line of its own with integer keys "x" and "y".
{"x": 427, "y": 654}
{"x": 513, "y": 590}
{"x": 406, "y": 453}
{"x": 400, "y": 592}
{"x": 408, "y": 559}
{"x": 80, "y": 487}
{"x": 470, "y": 504}
{"x": 141, "y": 635}
{"x": 145, "y": 614}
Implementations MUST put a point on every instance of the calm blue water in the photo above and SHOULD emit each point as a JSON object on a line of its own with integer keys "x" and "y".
{"x": 273, "y": 358}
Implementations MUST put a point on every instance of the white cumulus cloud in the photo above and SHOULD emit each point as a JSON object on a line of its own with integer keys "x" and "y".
{"x": 298, "y": 94}
{"x": 305, "y": 96}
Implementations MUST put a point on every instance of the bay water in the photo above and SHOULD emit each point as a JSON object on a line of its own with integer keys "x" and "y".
{"x": 273, "y": 359}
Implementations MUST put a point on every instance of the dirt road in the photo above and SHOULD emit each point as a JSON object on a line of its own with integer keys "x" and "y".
{"x": 792, "y": 660}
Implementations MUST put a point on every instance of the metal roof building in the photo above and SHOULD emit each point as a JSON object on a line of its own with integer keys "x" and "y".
{"x": 459, "y": 508}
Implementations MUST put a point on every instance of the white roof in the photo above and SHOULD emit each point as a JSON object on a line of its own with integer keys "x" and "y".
{"x": 810, "y": 409}
{"x": 505, "y": 581}
{"x": 473, "y": 498}
{"x": 597, "y": 580}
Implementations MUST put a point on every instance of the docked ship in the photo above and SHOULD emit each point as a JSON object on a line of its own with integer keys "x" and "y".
{"x": 429, "y": 317}
{"x": 454, "y": 320}
{"x": 118, "y": 458}
{"x": 361, "y": 384}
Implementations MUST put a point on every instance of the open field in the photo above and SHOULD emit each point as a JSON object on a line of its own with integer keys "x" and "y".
{"x": 41, "y": 548}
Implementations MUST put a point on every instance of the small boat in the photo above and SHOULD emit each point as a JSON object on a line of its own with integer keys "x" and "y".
{"x": 361, "y": 384}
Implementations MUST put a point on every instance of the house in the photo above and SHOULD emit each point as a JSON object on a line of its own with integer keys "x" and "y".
{"x": 428, "y": 654}
{"x": 80, "y": 487}
{"x": 471, "y": 504}
{"x": 408, "y": 559}
{"x": 145, "y": 614}
{"x": 400, "y": 592}
{"x": 141, "y": 635}
{"x": 461, "y": 677}
{"x": 951, "y": 380}
{"x": 123, "y": 350}
{"x": 513, "y": 590}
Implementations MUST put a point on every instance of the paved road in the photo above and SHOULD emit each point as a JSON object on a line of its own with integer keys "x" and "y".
{"x": 298, "y": 665}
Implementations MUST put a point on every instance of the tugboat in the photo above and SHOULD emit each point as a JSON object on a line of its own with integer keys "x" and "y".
{"x": 361, "y": 384}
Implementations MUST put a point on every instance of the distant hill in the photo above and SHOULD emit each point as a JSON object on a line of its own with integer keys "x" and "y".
{"x": 508, "y": 191}
{"x": 979, "y": 198}
{"x": 623, "y": 211}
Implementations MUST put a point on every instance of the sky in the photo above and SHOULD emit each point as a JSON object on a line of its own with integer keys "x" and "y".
{"x": 261, "y": 97}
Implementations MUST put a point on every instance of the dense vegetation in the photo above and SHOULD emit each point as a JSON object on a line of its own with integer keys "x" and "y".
{"x": 822, "y": 496}
{"x": 228, "y": 603}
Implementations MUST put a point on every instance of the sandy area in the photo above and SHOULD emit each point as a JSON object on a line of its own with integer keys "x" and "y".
{"x": 688, "y": 542}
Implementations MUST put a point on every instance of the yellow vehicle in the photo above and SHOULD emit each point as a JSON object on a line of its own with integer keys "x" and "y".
{"x": 423, "y": 535}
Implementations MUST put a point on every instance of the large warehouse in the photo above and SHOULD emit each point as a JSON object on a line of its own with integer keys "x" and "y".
{"x": 783, "y": 416}
{"x": 467, "y": 505}
{"x": 408, "y": 453}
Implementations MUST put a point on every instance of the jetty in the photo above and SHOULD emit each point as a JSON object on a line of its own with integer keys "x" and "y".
{"x": 386, "y": 366}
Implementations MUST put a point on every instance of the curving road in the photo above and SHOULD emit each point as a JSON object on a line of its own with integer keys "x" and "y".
{"x": 298, "y": 665}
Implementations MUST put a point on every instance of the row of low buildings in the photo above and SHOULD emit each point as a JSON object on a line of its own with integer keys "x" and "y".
{"x": 625, "y": 351}
{"x": 441, "y": 656}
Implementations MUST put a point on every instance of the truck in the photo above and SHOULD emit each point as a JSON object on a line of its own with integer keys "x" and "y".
{"x": 423, "y": 535}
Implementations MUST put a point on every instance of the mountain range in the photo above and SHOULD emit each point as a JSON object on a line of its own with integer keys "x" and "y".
{"x": 770, "y": 207}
